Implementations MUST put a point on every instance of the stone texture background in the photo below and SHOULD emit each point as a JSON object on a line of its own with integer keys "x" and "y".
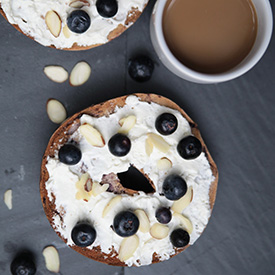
{"x": 236, "y": 119}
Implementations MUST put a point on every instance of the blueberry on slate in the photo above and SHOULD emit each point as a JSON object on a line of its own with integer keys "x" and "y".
{"x": 189, "y": 147}
{"x": 140, "y": 68}
{"x": 107, "y": 8}
{"x": 174, "y": 187}
{"x": 83, "y": 234}
{"x": 166, "y": 124}
{"x": 119, "y": 145}
{"x": 69, "y": 154}
{"x": 126, "y": 224}
{"x": 163, "y": 215}
{"x": 179, "y": 238}
{"x": 78, "y": 21}
{"x": 23, "y": 265}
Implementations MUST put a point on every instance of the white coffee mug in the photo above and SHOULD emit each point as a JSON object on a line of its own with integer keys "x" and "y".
{"x": 265, "y": 25}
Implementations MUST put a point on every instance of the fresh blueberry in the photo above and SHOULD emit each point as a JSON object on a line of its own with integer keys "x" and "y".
{"x": 166, "y": 124}
{"x": 119, "y": 145}
{"x": 107, "y": 8}
{"x": 174, "y": 187}
{"x": 126, "y": 224}
{"x": 83, "y": 234}
{"x": 140, "y": 68}
{"x": 23, "y": 264}
{"x": 179, "y": 238}
{"x": 163, "y": 215}
{"x": 189, "y": 147}
{"x": 78, "y": 21}
{"x": 69, "y": 154}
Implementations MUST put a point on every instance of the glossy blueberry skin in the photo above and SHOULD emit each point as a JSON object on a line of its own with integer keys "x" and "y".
{"x": 83, "y": 234}
{"x": 174, "y": 187}
{"x": 179, "y": 238}
{"x": 189, "y": 147}
{"x": 119, "y": 145}
{"x": 166, "y": 124}
{"x": 107, "y": 8}
{"x": 163, "y": 215}
{"x": 78, "y": 21}
{"x": 140, "y": 68}
{"x": 126, "y": 224}
{"x": 69, "y": 154}
{"x": 23, "y": 265}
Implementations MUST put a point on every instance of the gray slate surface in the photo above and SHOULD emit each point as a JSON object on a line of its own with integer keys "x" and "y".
{"x": 237, "y": 121}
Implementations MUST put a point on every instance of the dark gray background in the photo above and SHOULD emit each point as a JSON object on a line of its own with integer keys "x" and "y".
{"x": 237, "y": 121}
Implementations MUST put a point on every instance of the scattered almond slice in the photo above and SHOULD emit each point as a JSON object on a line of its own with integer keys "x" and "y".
{"x": 88, "y": 185}
{"x": 159, "y": 231}
{"x": 128, "y": 247}
{"x": 8, "y": 198}
{"x": 52, "y": 259}
{"x": 164, "y": 164}
{"x": 179, "y": 205}
{"x": 184, "y": 222}
{"x": 159, "y": 142}
{"x": 83, "y": 186}
{"x": 78, "y": 4}
{"x": 53, "y": 23}
{"x": 144, "y": 223}
{"x": 66, "y": 31}
{"x": 127, "y": 123}
{"x": 97, "y": 188}
{"x": 110, "y": 205}
{"x": 92, "y": 135}
{"x": 148, "y": 147}
{"x": 80, "y": 73}
{"x": 56, "y": 111}
{"x": 56, "y": 73}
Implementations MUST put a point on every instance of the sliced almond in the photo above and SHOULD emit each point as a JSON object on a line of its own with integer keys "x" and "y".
{"x": 66, "y": 31}
{"x": 53, "y": 23}
{"x": 83, "y": 186}
{"x": 127, "y": 123}
{"x": 8, "y": 198}
{"x": 97, "y": 188}
{"x": 82, "y": 181}
{"x": 164, "y": 164}
{"x": 148, "y": 147}
{"x": 159, "y": 142}
{"x": 56, "y": 111}
{"x": 128, "y": 247}
{"x": 56, "y": 73}
{"x": 159, "y": 231}
{"x": 92, "y": 135}
{"x": 184, "y": 222}
{"x": 179, "y": 205}
{"x": 80, "y": 73}
{"x": 110, "y": 205}
{"x": 51, "y": 257}
{"x": 88, "y": 185}
{"x": 144, "y": 223}
{"x": 78, "y": 4}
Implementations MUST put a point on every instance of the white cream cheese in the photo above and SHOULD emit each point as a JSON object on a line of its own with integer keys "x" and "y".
{"x": 99, "y": 161}
{"x": 29, "y": 15}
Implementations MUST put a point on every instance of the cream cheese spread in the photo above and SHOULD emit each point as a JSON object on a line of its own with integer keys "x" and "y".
{"x": 29, "y": 15}
{"x": 99, "y": 161}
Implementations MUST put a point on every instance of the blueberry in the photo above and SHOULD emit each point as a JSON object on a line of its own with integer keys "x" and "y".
{"x": 189, "y": 147}
{"x": 119, "y": 145}
{"x": 174, "y": 187}
{"x": 78, "y": 21}
{"x": 69, "y": 154}
{"x": 140, "y": 68}
{"x": 107, "y": 8}
{"x": 163, "y": 215}
{"x": 166, "y": 124}
{"x": 83, "y": 234}
{"x": 179, "y": 238}
{"x": 126, "y": 224}
{"x": 23, "y": 264}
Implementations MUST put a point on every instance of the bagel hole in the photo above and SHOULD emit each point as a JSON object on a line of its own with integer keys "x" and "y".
{"x": 133, "y": 179}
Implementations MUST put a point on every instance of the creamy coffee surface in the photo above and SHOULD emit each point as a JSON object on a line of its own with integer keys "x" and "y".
{"x": 210, "y": 36}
